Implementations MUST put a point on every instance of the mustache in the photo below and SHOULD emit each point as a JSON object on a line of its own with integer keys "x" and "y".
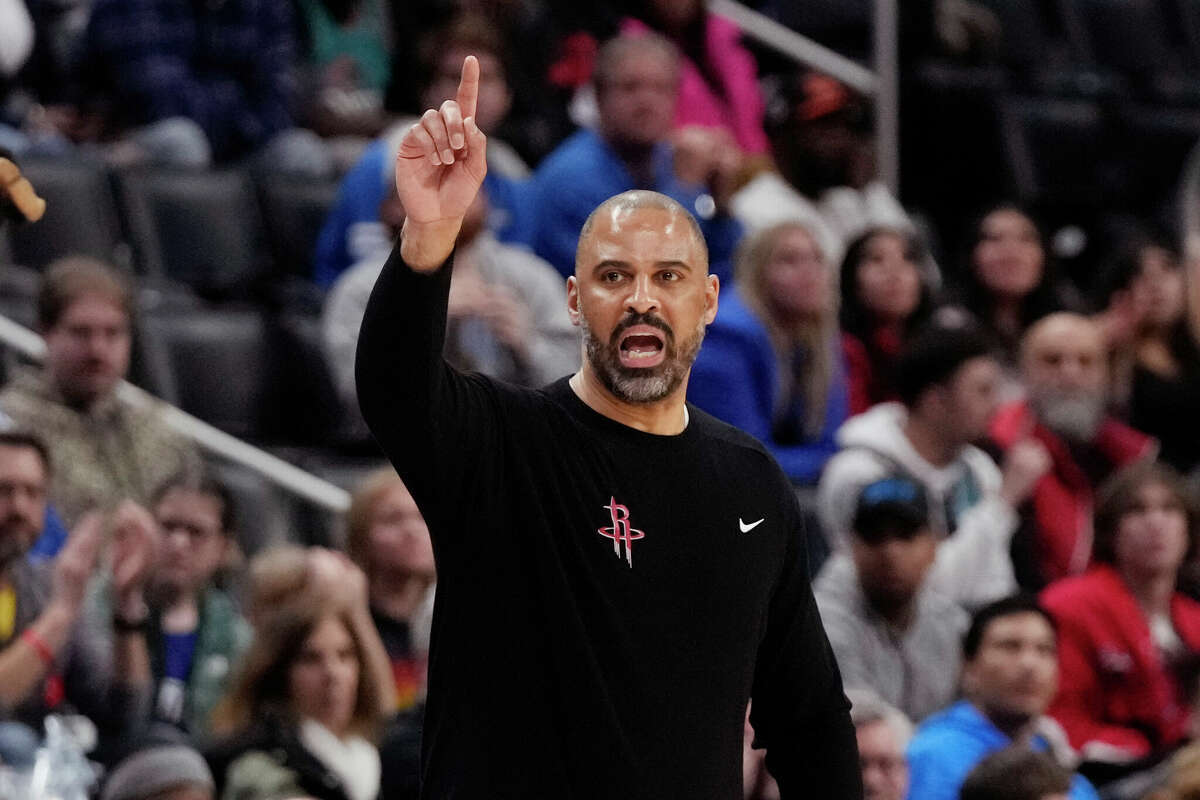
{"x": 641, "y": 318}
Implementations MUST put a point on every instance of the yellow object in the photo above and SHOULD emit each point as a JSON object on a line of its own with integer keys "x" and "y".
{"x": 20, "y": 192}
{"x": 8, "y": 613}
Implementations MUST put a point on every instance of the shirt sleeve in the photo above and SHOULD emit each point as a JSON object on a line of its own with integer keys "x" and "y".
{"x": 434, "y": 423}
{"x": 798, "y": 710}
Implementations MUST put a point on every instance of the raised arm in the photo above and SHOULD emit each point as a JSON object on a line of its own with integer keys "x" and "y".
{"x": 405, "y": 389}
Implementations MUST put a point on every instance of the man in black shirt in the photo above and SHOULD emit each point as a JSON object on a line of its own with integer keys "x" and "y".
{"x": 618, "y": 573}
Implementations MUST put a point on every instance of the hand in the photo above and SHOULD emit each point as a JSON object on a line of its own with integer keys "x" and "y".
{"x": 439, "y": 168}
{"x": 695, "y": 149}
{"x": 75, "y": 563}
{"x": 334, "y": 577}
{"x": 1024, "y": 465}
{"x": 135, "y": 542}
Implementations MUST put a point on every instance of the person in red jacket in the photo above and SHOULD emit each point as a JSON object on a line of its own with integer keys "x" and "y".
{"x": 1065, "y": 374}
{"x": 1127, "y": 638}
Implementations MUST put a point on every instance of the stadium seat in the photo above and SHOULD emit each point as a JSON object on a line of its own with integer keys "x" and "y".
{"x": 81, "y": 215}
{"x": 312, "y": 413}
{"x": 219, "y": 365}
{"x": 1056, "y": 150}
{"x": 294, "y": 211}
{"x": 201, "y": 228}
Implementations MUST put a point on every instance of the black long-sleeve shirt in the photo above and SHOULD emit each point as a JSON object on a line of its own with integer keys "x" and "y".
{"x": 608, "y": 600}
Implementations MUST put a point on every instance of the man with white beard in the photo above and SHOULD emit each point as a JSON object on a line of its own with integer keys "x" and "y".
{"x": 1065, "y": 372}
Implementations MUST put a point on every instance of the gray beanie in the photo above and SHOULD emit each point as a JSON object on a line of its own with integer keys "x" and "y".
{"x": 155, "y": 769}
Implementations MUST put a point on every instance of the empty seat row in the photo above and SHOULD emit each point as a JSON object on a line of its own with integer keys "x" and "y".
{"x": 223, "y": 233}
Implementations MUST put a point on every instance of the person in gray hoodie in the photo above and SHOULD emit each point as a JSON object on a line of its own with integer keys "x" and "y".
{"x": 889, "y": 631}
{"x": 947, "y": 380}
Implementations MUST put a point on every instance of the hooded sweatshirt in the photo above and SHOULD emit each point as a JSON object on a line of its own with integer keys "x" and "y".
{"x": 973, "y": 565}
{"x": 914, "y": 668}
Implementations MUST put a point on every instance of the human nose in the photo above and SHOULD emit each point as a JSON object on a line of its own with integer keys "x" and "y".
{"x": 642, "y": 299}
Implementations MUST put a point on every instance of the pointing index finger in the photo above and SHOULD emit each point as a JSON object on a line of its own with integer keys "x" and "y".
{"x": 468, "y": 87}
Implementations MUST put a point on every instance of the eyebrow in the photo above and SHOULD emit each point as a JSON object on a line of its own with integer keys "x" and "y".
{"x": 613, "y": 263}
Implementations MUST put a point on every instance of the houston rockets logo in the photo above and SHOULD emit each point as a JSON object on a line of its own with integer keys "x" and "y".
{"x": 620, "y": 530}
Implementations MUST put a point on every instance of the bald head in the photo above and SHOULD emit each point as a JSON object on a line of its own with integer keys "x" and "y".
{"x": 617, "y": 214}
{"x": 1064, "y": 368}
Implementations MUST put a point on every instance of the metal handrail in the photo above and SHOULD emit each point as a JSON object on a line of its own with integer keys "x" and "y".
{"x": 796, "y": 46}
{"x": 286, "y": 476}
{"x": 881, "y": 83}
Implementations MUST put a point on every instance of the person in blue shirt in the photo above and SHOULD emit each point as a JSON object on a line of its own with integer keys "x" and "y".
{"x": 772, "y": 361}
{"x": 351, "y": 229}
{"x": 1010, "y": 674}
{"x": 637, "y": 82}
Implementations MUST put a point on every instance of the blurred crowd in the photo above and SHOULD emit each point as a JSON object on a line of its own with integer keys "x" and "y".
{"x": 998, "y": 461}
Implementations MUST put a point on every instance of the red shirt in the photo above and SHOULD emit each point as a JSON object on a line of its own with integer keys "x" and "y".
{"x": 1062, "y": 498}
{"x": 1115, "y": 689}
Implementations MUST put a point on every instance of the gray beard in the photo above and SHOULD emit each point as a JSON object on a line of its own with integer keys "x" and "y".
{"x": 641, "y": 385}
{"x": 1075, "y": 417}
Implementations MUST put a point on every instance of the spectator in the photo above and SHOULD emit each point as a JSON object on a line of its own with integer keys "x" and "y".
{"x": 160, "y": 772}
{"x": 824, "y": 149}
{"x": 1009, "y": 283}
{"x": 102, "y": 450}
{"x": 771, "y": 362}
{"x": 347, "y": 57}
{"x": 1063, "y": 369}
{"x": 36, "y": 77}
{"x": 947, "y": 380}
{"x": 288, "y": 574}
{"x": 191, "y": 84}
{"x": 507, "y": 314}
{"x": 387, "y": 537}
{"x": 302, "y": 712}
{"x": 1155, "y": 358}
{"x": 195, "y": 636}
{"x": 352, "y": 232}
{"x": 1009, "y": 676}
{"x": 718, "y": 81}
{"x": 890, "y": 633}
{"x": 637, "y": 85}
{"x": 1017, "y": 773}
{"x": 1128, "y": 639}
{"x": 48, "y": 659}
{"x": 883, "y": 733}
{"x": 887, "y": 282}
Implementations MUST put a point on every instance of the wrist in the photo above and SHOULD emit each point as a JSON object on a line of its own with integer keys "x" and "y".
{"x": 131, "y": 611}
{"x": 425, "y": 246}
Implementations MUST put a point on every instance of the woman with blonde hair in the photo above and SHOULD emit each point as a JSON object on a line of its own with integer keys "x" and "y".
{"x": 387, "y": 538}
{"x": 312, "y": 692}
{"x": 772, "y": 361}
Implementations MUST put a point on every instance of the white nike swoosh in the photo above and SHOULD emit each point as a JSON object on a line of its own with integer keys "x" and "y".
{"x": 747, "y": 528}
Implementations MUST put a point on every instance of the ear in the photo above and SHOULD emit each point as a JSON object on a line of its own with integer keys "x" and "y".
{"x": 573, "y": 310}
{"x": 712, "y": 291}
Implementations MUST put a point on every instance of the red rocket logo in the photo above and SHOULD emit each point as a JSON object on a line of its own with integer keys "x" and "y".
{"x": 621, "y": 531}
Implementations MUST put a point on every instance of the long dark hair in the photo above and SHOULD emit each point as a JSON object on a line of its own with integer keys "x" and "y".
{"x": 856, "y": 319}
{"x": 1045, "y": 298}
{"x": 859, "y": 321}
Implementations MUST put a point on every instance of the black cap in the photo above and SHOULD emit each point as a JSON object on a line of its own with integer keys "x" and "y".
{"x": 895, "y": 506}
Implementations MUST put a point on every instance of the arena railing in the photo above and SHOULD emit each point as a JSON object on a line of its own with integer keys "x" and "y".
{"x": 281, "y": 473}
{"x": 881, "y": 83}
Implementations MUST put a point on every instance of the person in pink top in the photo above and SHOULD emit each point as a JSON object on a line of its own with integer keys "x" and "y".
{"x": 719, "y": 78}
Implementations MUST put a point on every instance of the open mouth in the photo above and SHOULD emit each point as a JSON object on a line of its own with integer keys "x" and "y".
{"x": 642, "y": 346}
